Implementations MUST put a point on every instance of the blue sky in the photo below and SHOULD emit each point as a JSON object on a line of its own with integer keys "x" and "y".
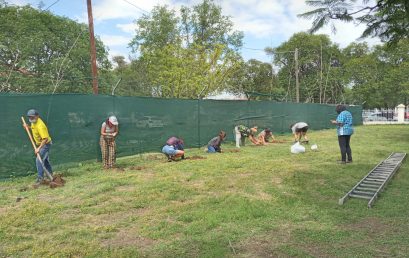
{"x": 264, "y": 22}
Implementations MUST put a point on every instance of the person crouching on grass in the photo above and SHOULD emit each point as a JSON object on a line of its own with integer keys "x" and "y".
{"x": 344, "y": 131}
{"x": 109, "y": 131}
{"x": 299, "y": 129}
{"x": 43, "y": 143}
{"x": 242, "y": 132}
{"x": 214, "y": 144}
{"x": 174, "y": 149}
{"x": 264, "y": 136}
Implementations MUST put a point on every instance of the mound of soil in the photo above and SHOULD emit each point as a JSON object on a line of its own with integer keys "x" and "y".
{"x": 57, "y": 181}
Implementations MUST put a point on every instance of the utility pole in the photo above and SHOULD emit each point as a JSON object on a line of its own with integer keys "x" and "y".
{"x": 92, "y": 49}
{"x": 297, "y": 70}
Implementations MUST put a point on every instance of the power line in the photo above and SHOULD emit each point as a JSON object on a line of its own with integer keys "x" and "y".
{"x": 46, "y": 9}
{"x": 137, "y": 7}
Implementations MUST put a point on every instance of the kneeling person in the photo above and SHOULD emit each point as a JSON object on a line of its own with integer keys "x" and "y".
{"x": 264, "y": 136}
{"x": 214, "y": 145}
{"x": 174, "y": 148}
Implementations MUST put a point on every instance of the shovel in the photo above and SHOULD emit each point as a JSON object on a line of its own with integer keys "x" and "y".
{"x": 38, "y": 154}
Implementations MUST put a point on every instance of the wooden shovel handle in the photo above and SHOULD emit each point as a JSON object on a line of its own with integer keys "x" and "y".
{"x": 34, "y": 147}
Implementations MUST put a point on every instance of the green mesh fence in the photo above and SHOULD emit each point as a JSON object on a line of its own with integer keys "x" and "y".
{"x": 74, "y": 123}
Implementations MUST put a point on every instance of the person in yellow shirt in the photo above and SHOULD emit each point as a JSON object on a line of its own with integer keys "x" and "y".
{"x": 43, "y": 143}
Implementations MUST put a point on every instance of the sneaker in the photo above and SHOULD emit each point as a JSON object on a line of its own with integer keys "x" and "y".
{"x": 349, "y": 161}
{"x": 341, "y": 162}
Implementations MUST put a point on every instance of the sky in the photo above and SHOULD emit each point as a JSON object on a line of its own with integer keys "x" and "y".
{"x": 264, "y": 22}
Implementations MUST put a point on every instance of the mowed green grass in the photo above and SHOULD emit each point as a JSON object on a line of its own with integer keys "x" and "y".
{"x": 259, "y": 202}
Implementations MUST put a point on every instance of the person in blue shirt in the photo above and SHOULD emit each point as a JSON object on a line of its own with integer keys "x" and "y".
{"x": 344, "y": 131}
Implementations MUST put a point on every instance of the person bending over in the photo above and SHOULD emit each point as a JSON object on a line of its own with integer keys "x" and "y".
{"x": 265, "y": 135}
{"x": 344, "y": 131}
{"x": 174, "y": 148}
{"x": 242, "y": 132}
{"x": 214, "y": 145}
{"x": 109, "y": 131}
{"x": 43, "y": 143}
{"x": 299, "y": 130}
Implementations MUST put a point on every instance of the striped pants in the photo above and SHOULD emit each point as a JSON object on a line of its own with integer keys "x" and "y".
{"x": 108, "y": 151}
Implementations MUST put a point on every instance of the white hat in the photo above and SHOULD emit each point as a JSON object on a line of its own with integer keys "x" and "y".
{"x": 113, "y": 120}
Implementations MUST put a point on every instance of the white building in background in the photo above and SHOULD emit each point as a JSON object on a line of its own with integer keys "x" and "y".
{"x": 226, "y": 96}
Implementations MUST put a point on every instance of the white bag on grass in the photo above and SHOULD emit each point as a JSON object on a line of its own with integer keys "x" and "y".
{"x": 297, "y": 148}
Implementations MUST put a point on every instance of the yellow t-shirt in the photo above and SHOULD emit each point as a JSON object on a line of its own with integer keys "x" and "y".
{"x": 40, "y": 131}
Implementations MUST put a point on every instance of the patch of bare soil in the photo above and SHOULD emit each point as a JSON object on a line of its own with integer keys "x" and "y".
{"x": 231, "y": 151}
{"x": 58, "y": 181}
{"x": 195, "y": 157}
{"x": 373, "y": 226}
{"x": 137, "y": 168}
{"x": 128, "y": 238}
{"x": 265, "y": 245}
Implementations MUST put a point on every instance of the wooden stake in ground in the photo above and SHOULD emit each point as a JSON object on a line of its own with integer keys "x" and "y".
{"x": 34, "y": 146}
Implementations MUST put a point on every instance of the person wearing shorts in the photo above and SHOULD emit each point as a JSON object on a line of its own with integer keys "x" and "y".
{"x": 299, "y": 130}
{"x": 174, "y": 149}
{"x": 264, "y": 136}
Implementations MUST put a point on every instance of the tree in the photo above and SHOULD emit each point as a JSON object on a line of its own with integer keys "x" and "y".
{"x": 319, "y": 68}
{"x": 257, "y": 80}
{"x": 41, "y": 52}
{"x": 378, "y": 77}
{"x": 190, "y": 55}
{"x": 386, "y": 19}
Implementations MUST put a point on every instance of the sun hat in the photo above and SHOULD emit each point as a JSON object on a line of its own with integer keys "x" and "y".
{"x": 113, "y": 120}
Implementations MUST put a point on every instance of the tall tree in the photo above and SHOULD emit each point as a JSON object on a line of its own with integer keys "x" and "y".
{"x": 188, "y": 55}
{"x": 319, "y": 68}
{"x": 387, "y": 19}
{"x": 42, "y": 52}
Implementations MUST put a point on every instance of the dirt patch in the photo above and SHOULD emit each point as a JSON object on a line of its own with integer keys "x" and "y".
{"x": 126, "y": 238}
{"x": 279, "y": 141}
{"x": 58, "y": 181}
{"x": 137, "y": 168}
{"x": 195, "y": 157}
{"x": 266, "y": 245}
{"x": 371, "y": 225}
{"x": 232, "y": 151}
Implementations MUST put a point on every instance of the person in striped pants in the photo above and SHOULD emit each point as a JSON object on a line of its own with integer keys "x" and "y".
{"x": 109, "y": 131}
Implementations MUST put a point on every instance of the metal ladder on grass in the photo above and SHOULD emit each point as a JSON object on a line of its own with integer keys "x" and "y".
{"x": 373, "y": 183}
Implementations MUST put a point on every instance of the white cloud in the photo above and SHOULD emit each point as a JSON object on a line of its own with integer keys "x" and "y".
{"x": 115, "y": 40}
{"x": 278, "y": 19}
{"x": 127, "y": 27}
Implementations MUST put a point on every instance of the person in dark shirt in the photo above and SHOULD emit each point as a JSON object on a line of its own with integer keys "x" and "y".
{"x": 214, "y": 145}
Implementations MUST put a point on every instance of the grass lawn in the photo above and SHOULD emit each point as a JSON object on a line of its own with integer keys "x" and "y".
{"x": 259, "y": 202}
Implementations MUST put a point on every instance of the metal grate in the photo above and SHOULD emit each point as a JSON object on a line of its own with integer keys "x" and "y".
{"x": 373, "y": 183}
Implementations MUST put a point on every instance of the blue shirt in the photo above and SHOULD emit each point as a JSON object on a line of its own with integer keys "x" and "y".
{"x": 345, "y": 118}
